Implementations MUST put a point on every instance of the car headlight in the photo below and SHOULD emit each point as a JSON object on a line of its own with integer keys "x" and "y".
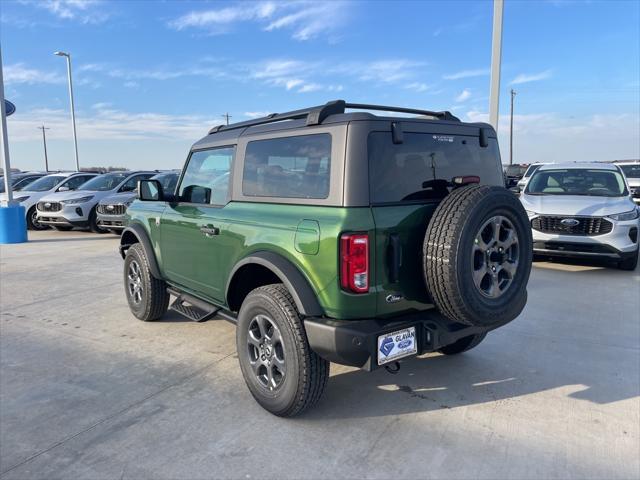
{"x": 621, "y": 217}
{"x": 73, "y": 201}
{"x": 21, "y": 199}
{"x": 530, "y": 214}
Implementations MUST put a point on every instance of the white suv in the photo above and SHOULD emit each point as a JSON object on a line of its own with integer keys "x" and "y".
{"x": 56, "y": 182}
{"x": 631, "y": 170}
{"x": 65, "y": 210}
{"x": 583, "y": 209}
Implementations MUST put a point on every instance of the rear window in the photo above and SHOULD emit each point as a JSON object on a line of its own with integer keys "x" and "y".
{"x": 289, "y": 167}
{"x": 420, "y": 167}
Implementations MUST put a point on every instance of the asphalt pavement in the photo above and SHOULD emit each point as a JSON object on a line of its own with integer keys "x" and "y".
{"x": 87, "y": 391}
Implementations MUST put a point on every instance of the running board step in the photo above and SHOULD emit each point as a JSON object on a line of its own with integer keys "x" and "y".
{"x": 192, "y": 308}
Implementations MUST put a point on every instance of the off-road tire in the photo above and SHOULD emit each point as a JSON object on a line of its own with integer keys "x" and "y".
{"x": 93, "y": 222}
{"x": 306, "y": 372}
{"x": 629, "y": 263}
{"x": 30, "y": 221}
{"x": 462, "y": 345}
{"x": 155, "y": 299}
{"x": 448, "y": 256}
{"x": 62, "y": 228}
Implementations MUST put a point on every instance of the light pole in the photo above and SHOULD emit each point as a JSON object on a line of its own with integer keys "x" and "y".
{"x": 226, "y": 116}
{"x": 513, "y": 95}
{"x": 73, "y": 112}
{"x": 44, "y": 142}
{"x": 496, "y": 59}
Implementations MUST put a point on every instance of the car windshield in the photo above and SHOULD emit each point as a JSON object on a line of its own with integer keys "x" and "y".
{"x": 44, "y": 184}
{"x": 631, "y": 171}
{"x": 531, "y": 170}
{"x": 17, "y": 182}
{"x": 167, "y": 180}
{"x": 577, "y": 181}
{"x": 515, "y": 170}
{"x": 105, "y": 182}
{"x": 23, "y": 183}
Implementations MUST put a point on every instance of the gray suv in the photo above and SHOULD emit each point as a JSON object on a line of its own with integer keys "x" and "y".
{"x": 112, "y": 210}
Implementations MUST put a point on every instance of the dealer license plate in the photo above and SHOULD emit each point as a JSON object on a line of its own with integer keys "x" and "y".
{"x": 395, "y": 345}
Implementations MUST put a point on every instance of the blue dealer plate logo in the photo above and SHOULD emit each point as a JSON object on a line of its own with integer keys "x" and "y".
{"x": 386, "y": 346}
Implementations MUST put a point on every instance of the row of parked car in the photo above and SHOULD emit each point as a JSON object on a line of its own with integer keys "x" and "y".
{"x": 575, "y": 209}
{"x": 64, "y": 200}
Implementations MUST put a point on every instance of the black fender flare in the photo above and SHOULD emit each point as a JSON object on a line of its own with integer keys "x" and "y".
{"x": 300, "y": 289}
{"x": 139, "y": 232}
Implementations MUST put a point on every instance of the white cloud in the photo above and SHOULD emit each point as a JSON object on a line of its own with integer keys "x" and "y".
{"x": 19, "y": 73}
{"x": 132, "y": 74}
{"x": 418, "y": 87}
{"x": 550, "y": 137}
{"x": 464, "y": 96}
{"x": 389, "y": 71}
{"x": 467, "y": 74}
{"x": 256, "y": 114}
{"x": 534, "y": 77}
{"x": 131, "y": 84}
{"x": 84, "y": 11}
{"x": 106, "y": 123}
{"x": 305, "y": 19}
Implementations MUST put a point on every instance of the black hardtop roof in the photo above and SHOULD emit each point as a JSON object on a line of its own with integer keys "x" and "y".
{"x": 330, "y": 113}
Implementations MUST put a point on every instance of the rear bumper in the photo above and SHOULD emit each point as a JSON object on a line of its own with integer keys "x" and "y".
{"x": 355, "y": 342}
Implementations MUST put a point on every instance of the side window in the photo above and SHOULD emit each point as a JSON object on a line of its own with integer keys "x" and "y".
{"x": 74, "y": 182}
{"x": 289, "y": 167}
{"x": 131, "y": 184}
{"x": 207, "y": 177}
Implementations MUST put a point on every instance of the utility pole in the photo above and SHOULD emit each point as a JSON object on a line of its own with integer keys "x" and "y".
{"x": 496, "y": 60}
{"x": 226, "y": 116}
{"x": 44, "y": 142}
{"x": 513, "y": 95}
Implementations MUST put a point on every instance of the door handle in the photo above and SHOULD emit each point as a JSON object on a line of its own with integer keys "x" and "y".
{"x": 209, "y": 230}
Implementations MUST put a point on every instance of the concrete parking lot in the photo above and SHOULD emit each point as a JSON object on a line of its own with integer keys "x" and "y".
{"x": 87, "y": 391}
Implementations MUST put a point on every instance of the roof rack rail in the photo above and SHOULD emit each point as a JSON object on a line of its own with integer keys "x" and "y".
{"x": 316, "y": 115}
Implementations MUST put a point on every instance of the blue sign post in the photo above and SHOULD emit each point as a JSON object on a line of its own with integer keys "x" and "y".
{"x": 13, "y": 221}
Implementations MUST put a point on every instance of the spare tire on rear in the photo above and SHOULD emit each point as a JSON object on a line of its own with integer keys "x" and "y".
{"x": 477, "y": 255}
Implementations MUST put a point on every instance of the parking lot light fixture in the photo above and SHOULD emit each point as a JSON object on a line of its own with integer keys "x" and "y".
{"x": 73, "y": 113}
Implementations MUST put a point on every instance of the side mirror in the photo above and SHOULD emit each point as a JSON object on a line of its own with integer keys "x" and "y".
{"x": 64, "y": 189}
{"x": 150, "y": 191}
{"x": 196, "y": 194}
{"x": 517, "y": 190}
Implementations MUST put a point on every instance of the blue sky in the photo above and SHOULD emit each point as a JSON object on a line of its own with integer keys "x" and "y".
{"x": 152, "y": 77}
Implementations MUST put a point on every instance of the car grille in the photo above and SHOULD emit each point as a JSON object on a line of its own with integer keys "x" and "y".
{"x": 585, "y": 226}
{"x": 49, "y": 206}
{"x": 112, "y": 209}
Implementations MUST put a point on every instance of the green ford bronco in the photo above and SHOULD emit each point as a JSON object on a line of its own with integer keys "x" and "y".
{"x": 331, "y": 234}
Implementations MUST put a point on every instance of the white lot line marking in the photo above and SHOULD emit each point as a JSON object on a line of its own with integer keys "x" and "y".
{"x": 116, "y": 414}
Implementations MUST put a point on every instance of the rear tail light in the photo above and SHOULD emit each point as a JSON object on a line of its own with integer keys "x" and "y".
{"x": 354, "y": 262}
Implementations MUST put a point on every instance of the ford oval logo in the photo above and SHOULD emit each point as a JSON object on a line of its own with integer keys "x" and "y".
{"x": 570, "y": 222}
